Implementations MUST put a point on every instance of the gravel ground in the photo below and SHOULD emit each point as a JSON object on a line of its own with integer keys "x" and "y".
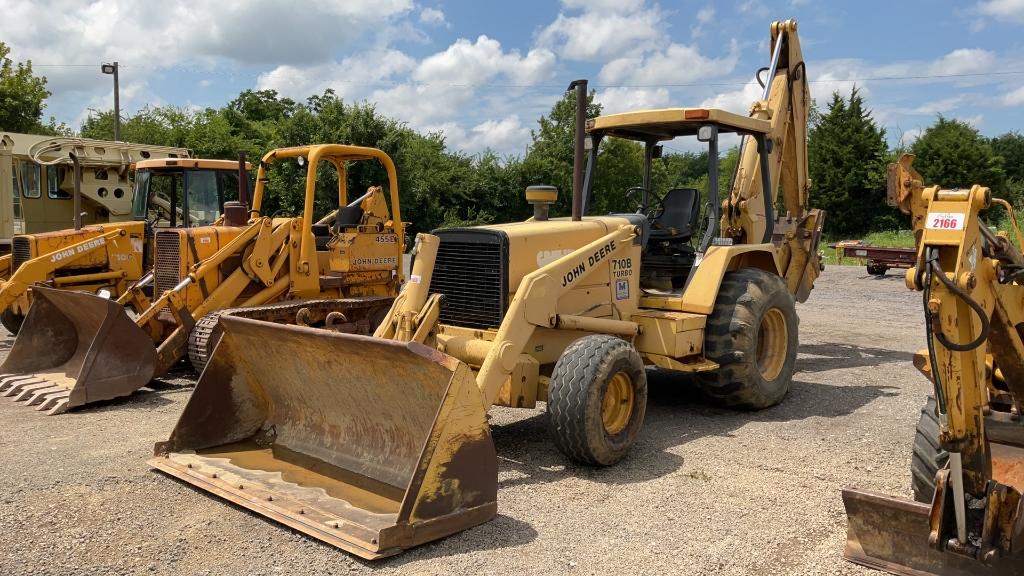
{"x": 705, "y": 489}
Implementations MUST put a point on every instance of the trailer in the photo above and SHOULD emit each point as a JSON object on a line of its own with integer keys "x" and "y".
{"x": 878, "y": 259}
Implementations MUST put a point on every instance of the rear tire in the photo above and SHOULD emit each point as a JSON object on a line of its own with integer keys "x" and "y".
{"x": 752, "y": 335}
{"x": 597, "y": 399}
{"x": 11, "y": 320}
{"x": 927, "y": 457}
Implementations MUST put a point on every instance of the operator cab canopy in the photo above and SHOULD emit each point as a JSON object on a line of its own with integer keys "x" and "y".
{"x": 669, "y": 123}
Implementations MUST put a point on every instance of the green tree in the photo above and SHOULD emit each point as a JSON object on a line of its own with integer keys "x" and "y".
{"x": 22, "y": 95}
{"x": 550, "y": 157}
{"x": 952, "y": 154}
{"x": 846, "y": 161}
{"x": 1010, "y": 147}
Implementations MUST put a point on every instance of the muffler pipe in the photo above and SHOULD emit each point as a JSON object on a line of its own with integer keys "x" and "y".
{"x": 577, "y": 161}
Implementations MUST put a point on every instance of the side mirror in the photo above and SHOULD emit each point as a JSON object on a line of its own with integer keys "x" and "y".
{"x": 657, "y": 152}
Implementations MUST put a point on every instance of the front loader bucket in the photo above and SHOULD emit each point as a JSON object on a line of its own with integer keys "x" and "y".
{"x": 75, "y": 348}
{"x": 370, "y": 445}
{"x": 891, "y": 534}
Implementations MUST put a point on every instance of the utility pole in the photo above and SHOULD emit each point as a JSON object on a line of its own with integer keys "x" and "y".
{"x": 113, "y": 69}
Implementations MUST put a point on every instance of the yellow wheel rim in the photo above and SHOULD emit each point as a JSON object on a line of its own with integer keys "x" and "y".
{"x": 617, "y": 406}
{"x": 772, "y": 344}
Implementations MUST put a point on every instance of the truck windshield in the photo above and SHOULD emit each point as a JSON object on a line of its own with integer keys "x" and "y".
{"x": 158, "y": 198}
{"x": 203, "y": 197}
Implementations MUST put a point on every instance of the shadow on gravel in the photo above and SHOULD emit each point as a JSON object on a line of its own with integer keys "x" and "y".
{"x": 153, "y": 395}
{"x": 677, "y": 413}
{"x": 498, "y": 534}
{"x": 829, "y": 356}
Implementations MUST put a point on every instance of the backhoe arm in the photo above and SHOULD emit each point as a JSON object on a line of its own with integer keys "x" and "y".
{"x": 973, "y": 304}
{"x": 748, "y": 215}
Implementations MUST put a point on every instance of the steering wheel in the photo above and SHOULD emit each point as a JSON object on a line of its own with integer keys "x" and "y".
{"x": 655, "y": 205}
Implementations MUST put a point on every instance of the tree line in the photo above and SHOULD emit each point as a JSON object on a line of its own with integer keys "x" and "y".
{"x": 441, "y": 187}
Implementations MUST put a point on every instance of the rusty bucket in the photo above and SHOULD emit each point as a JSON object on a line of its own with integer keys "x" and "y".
{"x": 73, "y": 349}
{"x": 891, "y": 534}
{"x": 368, "y": 444}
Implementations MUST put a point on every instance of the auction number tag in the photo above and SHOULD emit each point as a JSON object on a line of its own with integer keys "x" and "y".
{"x": 945, "y": 221}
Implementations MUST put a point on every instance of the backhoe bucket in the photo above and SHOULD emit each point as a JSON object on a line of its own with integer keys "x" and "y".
{"x": 891, "y": 534}
{"x": 73, "y": 349}
{"x": 370, "y": 445}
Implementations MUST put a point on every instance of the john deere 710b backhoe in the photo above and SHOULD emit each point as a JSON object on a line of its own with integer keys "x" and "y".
{"x": 341, "y": 271}
{"x": 375, "y": 444}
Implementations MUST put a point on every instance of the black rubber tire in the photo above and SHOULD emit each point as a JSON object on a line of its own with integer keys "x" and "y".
{"x": 11, "y": 320}
{"x": 576, "y": 392}
{"x": 927, "y": 456}
{"x": 731, "y": 338}
{"x": 877, "y": 269}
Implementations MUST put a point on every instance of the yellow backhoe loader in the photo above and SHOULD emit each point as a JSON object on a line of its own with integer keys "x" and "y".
{"x": 376, "y": 444}
{"x": 110, "y": 258}
{"x": 341, "y": 271}
{"x": 968, "y": 459}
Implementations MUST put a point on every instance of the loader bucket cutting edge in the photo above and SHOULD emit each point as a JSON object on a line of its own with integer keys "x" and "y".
{"x": 370, "y": 445}
{"x": 891, "y": 534}
{"x": 75, "y": 348}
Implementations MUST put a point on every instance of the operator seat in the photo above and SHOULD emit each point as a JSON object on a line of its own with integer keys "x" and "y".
{"x": 678, "y": 220}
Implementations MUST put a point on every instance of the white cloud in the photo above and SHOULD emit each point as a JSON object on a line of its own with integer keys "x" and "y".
{"x": 941, "y": 106}
{"x": 505, "y": 136}
{"x": 908, "y": 137}
{"x": 704, "y": 17}
{"x": 963, "y": 61}
{"x": 614, "y": 100}
{"x": 736, "y": 101}
{"x": 432, "y": 16}
{"x": 604, "y": 29}
{"x": 664, "y": 67}
{"x": 1014, "y": 98}
{"x": 466, "y": 62}
{"x": 753, "y": 7}
{"x": 348, "y": 78}
{"x": 1003, "y": 9}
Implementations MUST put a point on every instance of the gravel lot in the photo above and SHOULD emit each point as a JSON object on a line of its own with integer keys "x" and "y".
{"x": 705, "y": 489}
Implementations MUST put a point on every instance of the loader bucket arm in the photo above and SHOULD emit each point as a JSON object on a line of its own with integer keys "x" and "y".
{"x": 54, "y": 364}
{"x": 368, "y": 444}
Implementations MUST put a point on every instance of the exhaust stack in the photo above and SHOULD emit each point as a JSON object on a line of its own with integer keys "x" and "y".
{"x": 577, "y": 161}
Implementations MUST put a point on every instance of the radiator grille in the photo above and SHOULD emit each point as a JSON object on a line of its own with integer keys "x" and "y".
{"x": 21, "y": 252}
{"x": 168, "y": 261}
{"x": 471, "y": 272}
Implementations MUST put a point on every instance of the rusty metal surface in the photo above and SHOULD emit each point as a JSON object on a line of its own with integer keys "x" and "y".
{"x": 367, "y": 444}
{"x": 75, "y": 348}
{"x": 891, "y": 534}
{"x": 1008, "y": 465}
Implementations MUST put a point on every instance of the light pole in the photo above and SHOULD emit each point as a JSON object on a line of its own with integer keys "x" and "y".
{"x": 112, "y": 69}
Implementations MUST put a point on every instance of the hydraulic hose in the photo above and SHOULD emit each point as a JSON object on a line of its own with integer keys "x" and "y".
{"x": 934, "y": 269}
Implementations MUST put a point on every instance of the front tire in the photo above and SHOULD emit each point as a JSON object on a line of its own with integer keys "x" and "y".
{"x": 752, "y": 334}
{"x": 597, "y": 399}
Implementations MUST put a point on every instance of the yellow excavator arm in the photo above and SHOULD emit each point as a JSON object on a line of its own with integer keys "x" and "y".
{"x": 972, "y": 283}
{"x": 748, "y": 214}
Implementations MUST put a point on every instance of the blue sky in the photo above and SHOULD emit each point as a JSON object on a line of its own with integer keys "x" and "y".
{"x": 483, "y": 72}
